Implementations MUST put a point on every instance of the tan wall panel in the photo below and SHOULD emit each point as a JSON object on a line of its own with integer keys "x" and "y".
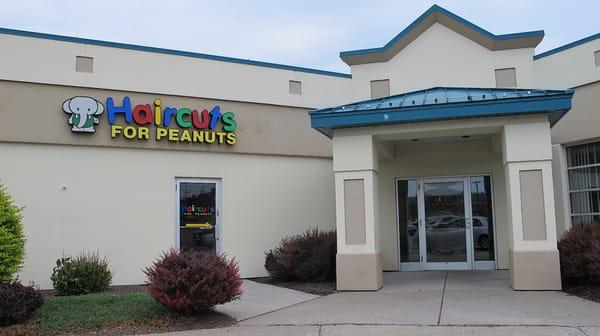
{"x": 354, "y": 211}
{"x": 380, "y": 88}
{"x": 506, "y": 78}
{"x": 532, "y": 205}
{"x": 33, "y": 113}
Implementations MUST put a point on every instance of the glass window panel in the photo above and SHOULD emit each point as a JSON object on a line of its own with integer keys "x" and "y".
{"x": 408, "y": 221}
{"x": 585, "y": 202}
{"x": 580, "y": 220}
{"x": 584, "y": 178}
{"x": 445, "y": 229}
{"x": 197, "y": 216}
{"x": 483, "y": 220}
{"x": 582, "y": 155}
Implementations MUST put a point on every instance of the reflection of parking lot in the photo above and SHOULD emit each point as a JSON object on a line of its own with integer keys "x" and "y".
{"x": 445, "y": 234}
{"x": 200, "y": 239}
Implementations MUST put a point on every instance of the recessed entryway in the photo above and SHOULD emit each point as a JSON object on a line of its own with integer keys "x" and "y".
{"x": 446, "y": 223}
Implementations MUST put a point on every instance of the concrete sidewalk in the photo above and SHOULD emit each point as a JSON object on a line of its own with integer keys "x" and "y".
{"x": 440, "y": 298}
{"x": 258, "y": 299}
{"x": 413, "y": 303}
{"x": 378, "y": 330}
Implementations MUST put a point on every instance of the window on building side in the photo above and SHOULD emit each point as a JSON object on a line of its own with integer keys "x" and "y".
{"x": 380, "y": 88}
{"x": 506, "y": 78}
{"x": 597, "y": 57}
{"x": 84, "y": 64}
{"x": 295, "y": 87}
{"x": 583, "y": 167}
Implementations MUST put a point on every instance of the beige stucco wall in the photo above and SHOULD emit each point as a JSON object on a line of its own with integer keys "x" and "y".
{"x": 561, "y": 189}
{"x": 582, "y": 121}
{"x": 122, "y": 202}
{"x": 442, "y": 57}
{"x": 53, "y": 62}
{"x": 569, "y": 68}
{"x": 438, "y": 159}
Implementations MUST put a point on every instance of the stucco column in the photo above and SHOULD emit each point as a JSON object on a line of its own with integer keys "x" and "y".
{"x": 527, "y": 155}
{"x": 355, "y": 165}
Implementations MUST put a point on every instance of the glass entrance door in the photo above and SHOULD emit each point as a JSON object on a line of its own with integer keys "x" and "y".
{"x": 198, "y": 215}
{"x": 444, "y": 227}
{"x": 445, "y": 223}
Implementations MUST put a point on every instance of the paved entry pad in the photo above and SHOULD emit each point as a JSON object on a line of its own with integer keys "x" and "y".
{"x": 259, "y": 299}
{"x": 406, "y": 298}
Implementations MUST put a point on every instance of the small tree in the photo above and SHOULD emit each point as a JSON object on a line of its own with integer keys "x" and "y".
{"x": 12, "y": 239}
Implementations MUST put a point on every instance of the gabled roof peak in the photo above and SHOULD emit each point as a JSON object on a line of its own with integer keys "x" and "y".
{"x": 437, "y": 14}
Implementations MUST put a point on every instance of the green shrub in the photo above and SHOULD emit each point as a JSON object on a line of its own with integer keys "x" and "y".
{"x": 12, "y": 239}
{"x": 307, "y": 257}
{"x": 84, "y": 274}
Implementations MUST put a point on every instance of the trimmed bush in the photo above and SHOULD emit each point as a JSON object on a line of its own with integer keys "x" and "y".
{"x": 17, "y": 302}
{"x": 12, "y": 239}
{"x": 190, "y": 282}
{"x": 84, "y": 274}
{"x": 307, "y": 257}
{"x": 580, "y": 255}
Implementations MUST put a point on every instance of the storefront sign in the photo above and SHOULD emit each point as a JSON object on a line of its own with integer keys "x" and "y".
{"x": 170, "y": 123}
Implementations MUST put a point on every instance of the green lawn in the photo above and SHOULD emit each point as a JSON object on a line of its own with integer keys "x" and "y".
{"x": 64, "y": 314}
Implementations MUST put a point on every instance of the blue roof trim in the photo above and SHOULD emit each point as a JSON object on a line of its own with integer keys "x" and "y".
{"x": 460, "y": 103}
{"x": 430, "y": 11}
{"x": 567, "y": 46}
{"x": 170, "y": 52}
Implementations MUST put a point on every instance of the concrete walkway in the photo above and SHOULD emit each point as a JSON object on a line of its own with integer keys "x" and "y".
{"x": 258, "y": 299}
{"x": 417, "y": 303}
{"x": 378, "y": 330}
{"x": 440, "y": 298}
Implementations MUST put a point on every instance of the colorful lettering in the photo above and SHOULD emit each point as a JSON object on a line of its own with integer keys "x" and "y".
{"x": 194, "y": 125}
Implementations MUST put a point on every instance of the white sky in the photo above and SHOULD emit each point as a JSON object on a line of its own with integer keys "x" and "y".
{"x": 308, "y": 33}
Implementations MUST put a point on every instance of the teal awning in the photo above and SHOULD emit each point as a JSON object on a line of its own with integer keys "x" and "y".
{"x": 443, "y": 103}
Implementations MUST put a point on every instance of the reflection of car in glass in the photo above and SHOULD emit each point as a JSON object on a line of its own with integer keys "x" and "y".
{"x": 481, "y": 232}
{"x": 445, "y": 234}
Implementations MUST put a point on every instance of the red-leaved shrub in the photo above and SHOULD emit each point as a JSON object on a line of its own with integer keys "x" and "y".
{"x": 580, "y": 255}
{"x": 17, "y": 302}
{"x": 190, "y": 282}
{"x": 306, "y": 257}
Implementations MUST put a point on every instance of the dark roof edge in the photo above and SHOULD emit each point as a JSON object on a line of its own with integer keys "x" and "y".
{"x": 567, "y": 46}
{"x": 430, "y": 11}
{"x": 119, "y": 45}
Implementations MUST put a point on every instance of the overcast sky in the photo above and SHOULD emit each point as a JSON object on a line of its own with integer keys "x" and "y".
{"x": 308, "y": 33}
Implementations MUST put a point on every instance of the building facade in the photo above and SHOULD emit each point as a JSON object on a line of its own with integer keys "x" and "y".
{"x": 466, "y": 150}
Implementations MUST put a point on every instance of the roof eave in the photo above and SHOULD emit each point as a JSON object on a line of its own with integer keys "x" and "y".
{"x": 557, "y": 105}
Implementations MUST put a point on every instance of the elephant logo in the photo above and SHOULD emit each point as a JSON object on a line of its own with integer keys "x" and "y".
{"x": 84, "y": 112}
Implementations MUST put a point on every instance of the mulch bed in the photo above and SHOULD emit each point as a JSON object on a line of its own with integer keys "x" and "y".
{"x": 208, "y": 320}
{"x": 317, "y": 288}
{"x": 588, "y": 292}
